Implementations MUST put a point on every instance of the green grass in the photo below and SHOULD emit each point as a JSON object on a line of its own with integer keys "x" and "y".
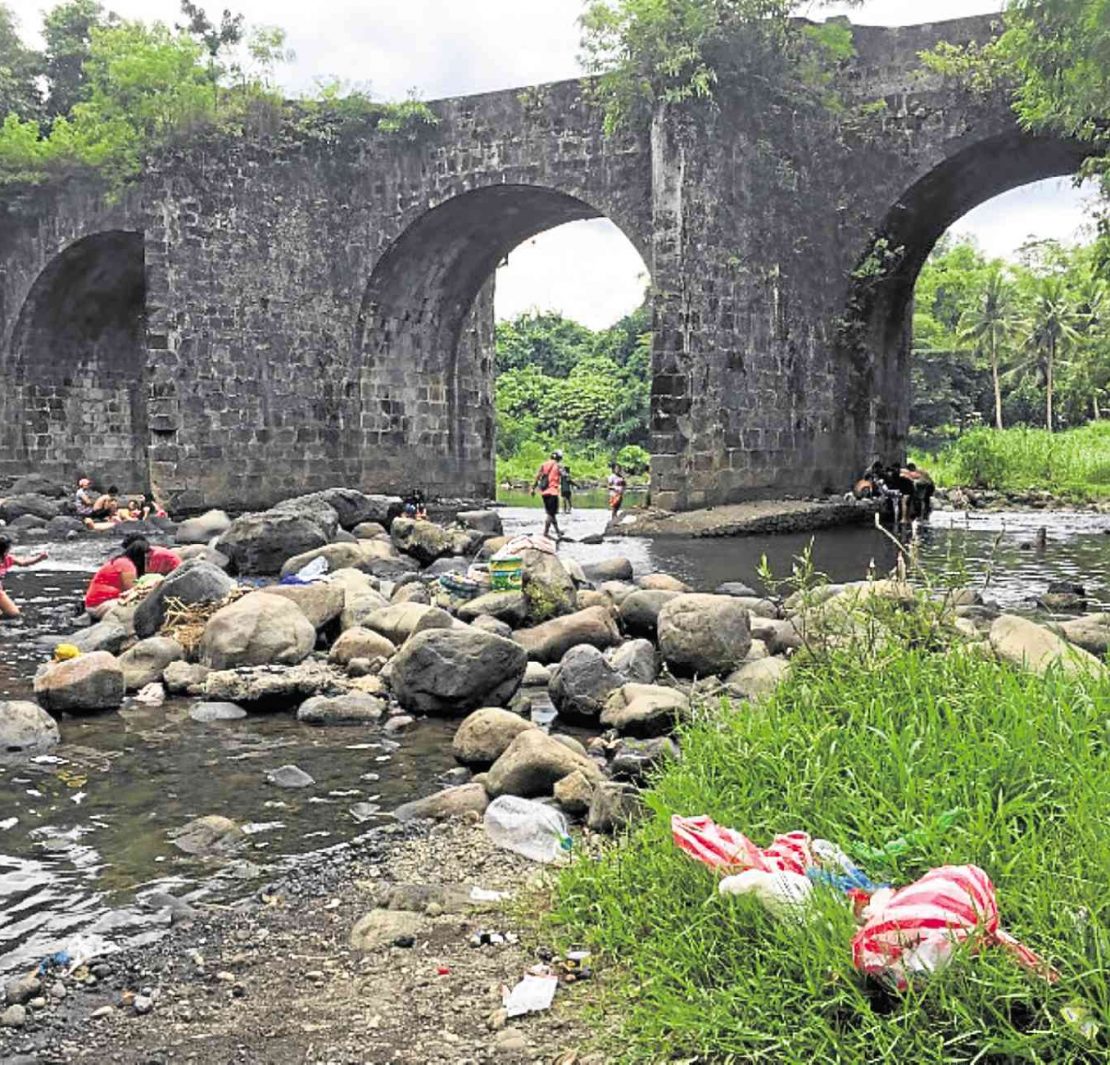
{"x": 1074, "y": 464}
{"x": 865, "y": 755}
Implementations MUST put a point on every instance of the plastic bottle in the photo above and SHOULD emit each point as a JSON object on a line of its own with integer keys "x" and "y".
{"x": 529, "y": 828}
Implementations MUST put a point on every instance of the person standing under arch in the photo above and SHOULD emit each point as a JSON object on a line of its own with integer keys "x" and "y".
{"x": 548, "y": 481}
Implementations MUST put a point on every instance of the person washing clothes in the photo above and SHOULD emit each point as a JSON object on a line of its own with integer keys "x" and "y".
{"x": 116, "y": 578}
{"x": 8, "y": 609}
{"x": 548, "y": 481}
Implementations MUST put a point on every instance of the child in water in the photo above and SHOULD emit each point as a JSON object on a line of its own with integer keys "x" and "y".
{"x": 8, "y": 609}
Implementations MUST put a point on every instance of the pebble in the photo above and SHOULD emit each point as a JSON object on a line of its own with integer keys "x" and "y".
{"x": 15, "y": 1016}
{"x": 58, "y": 991}
{"x": 104, "y": 1011}
{"x": 510, "y": 1041}
{"x": 289, "y": 776}
{"x": 143, "y": 1004}
{"x": 38, "y": 1003}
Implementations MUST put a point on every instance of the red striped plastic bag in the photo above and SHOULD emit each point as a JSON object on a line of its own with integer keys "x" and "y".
{"x": 915, "y": 929}
{"x": 724, "y": 848}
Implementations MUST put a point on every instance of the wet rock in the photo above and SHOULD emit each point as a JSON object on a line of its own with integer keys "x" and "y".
{"x": 22, "y": 989}
{"x": 536, "y": 675}
{"x": 261, "y": 543}
{"x": 351, "y": 506}
{"x": 37, "y": 484}
{"x": 145, "y": 662}
{"x": 26, "y": 729}
{"x": 210, "y": 836}
{"x": 645, "y": 710}
{"x": 451, "y": 671}
{"x": 1036, "y": 649}
{"x": 551, "y": 640}
{"x": 757, "y": 680}
{"x": 488, "y": 624}
{"x": 608, "y": 569}
{"x": 258, "y": 629}
{"x": 661, "y": 582}
{"x": 142, "y": 1004}
{"x": 532, "y": 764}
{"x": 91, "y": 682}
{"x": 185, "y": 678}
{"x": 402, "y": 620}
{"x": 486, "y": 734}
{"x": 208, "y": 712}
{"x": 584, "y": 681}
{"x": 203, "y": 528}
{"x": 509, "y": 607}
{"x": 634, "y": 759}
{"x": 614, "y": 806}
{"x": 189, "y": 584}
{"x": 1092, "y": 633}
{"x": 354, "y": 709}
{"x": 270, "y": 687}
{"x": 1065, "y": 597}
{"x": 109, "y": 635}
{"x": 399, "y": 723}
{"x": 483, "y": 521}
{"x": 548, "y": 588}
{"x": 703, "y": 634}
{"x": 639, "y": 612}
{"x": 451, "y": 802}
{"x": 423, "y": 540}
{"x": 738, "y": 589}
{"x": 321, "y": 602}
{"x": 380, "y": 928}
{"x": 61, "y": 527}
{"x": 361, "y": 643}
{"x": 575, "y": 792}
{"x": 635, "y": 661}
{"x": 16, "y": 506}
{"x": 289, "y": 776}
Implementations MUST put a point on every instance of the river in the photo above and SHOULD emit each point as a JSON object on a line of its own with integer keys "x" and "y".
{"x": 83, "y": 831}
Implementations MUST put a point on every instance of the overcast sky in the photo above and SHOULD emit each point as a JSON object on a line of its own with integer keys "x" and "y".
{"x": 453, "y": 47}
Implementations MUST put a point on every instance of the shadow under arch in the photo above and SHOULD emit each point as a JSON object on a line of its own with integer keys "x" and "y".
{"x": 877, "y": 330}
{"x": 78, "y": 357}
{"x": 423, "y": 340}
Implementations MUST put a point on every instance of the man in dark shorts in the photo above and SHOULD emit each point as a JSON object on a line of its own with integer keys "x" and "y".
{"x": 548, "y": 481}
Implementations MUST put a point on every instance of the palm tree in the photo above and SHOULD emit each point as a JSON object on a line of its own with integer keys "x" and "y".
{"x": 1052, "y": 327}
{"x": 988, "y": 325}
{"x": 1093, "y": 359}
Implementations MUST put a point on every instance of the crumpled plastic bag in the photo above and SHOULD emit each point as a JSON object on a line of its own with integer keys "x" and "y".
{"x": 724, "y": 848}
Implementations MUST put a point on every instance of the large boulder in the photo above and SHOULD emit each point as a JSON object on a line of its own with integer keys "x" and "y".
{"x": 509, "y": 607}
{"x": 645, "y": 710}
{"x": 635, "y": 661}
{"x": 451, "y": 802}
{"x": 352, "y": 709}
{"x": 361, "y": 643}
{"x": 360, "y": 555}
{"x": 451, "y": 671}
{"x": 486, "y": 734}
{"x": 203, "y": 528}
{"x": 145, "y": 662}
{"x": 583, "y": 683}
{"x": 423, "y": 540}
{"x": 259, "y": 629}
{"x": 757, "y": 680}
{"x": 90, "y": 682}
{"x": 548, "y": 587}
{"x": 399, "y": 621}
{"x": 185, "y": 678}
{"x": 271, "y": 687}
{"x": 533, "y": 764}
{"x": 1035, "y": 648}
{"x": 312, "y": 508}
{"x": 260, "y": 543}
{"x": 1091, "y": 632}
{"x": 703, "y": 634}
{"x": 25, "y": 728}
{"x": 608, "y": 569}
{"x": 779, "y": 636}
{"x": 38, "y": 484}
{"x": 661, "y": 582}
{"x": 350, "y": 505}
{"x": 487, "y": 522}
{"x": 551, "y": 640}
{"x": 383, "y": 509}
{"x": 108, "y": 635}
{"x": 615, "y": 805}
{"x": 358, "y": 606}
{"x": 321, "y": 602}
{"x": 639, "y": 612}
{"x": 29, "y": 503}
{"x": 191, "y": 583}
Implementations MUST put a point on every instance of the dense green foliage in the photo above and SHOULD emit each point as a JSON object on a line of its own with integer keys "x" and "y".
{"x": 1074, "y": 464}
{"x": 863, "y": 756}
{"x": 561, "y": 385}
{"x": 106, "y": 93}
{"x": 1011, "y": 342}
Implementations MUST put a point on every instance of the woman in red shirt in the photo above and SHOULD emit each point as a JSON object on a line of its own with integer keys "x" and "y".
{"x": 160, "y": 560}
{"x": 117, "y": 576}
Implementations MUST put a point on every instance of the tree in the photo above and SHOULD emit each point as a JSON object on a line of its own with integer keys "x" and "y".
{"x": 20, "y": 69}
{"x": 988, "y": 325}
{"x": 1052, "y": 329}
{"x": 67, "y": 30}
{"x": 214, "y": 38}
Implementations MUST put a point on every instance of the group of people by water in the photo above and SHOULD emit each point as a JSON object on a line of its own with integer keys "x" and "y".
{"x": 903, "y": 490}
{"x": 101, "y": 511}
{"x": 556, "y": 485}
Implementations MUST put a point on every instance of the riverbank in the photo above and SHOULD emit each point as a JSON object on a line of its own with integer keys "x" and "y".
{"x": 756, "y": 518}
{"x": 274, "y": 977}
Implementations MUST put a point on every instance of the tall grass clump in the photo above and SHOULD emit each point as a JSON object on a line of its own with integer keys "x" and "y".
{"x": 864, "y": 749}
{"x": 1075, "y": 463}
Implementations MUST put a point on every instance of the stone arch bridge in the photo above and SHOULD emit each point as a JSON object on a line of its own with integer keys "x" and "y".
{"x": 252, "y": 321}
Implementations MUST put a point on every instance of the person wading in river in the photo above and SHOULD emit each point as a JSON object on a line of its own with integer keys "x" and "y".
{"x": 548, "y": 481}
{"x": 8, "y": 610}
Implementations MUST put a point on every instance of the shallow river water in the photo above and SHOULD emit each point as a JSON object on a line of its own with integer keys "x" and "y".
{"x": 83, "y": 831}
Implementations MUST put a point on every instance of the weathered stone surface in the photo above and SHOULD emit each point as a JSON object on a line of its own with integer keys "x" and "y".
{"x": 209, "y": 837}
{"x": 189, "y": 584}
{"x": 548, "y": 587}
{"x": 483, "y": 521}
{"x": 289, "y": 776}
{"x": 208, "y": 712}
{"x": 614, "y": 806}
{"x": 203, "y": 528}
{"x": 757, "y": 680}
{"x": 486, "y": 734}
{"x": 758, "y": 607}
{"x": 661, "y": 582}
{"x": 779, "y": 636}
{"x": 584, "y": 681}
{"x": 635, "y": 661}
{"x": 608, "y": 569}
{"x": 399, "y": 621}
{"x": 370, "y": 530}
{"x": 575, "y": 792}
{"x": 25, "y": 728}
{"x": 451, "y": 671}
{"x": 321, "y": 602}
{"x": 352, "y": 554}
{"x": 185, "y": 678}
{"x": 551, "y": 640}
{"x": 414, "y": 592}
{"x": 257, "y": 630}
{"x": 703, "y": 634}
{"x": 359, "y": 606}
{"x": 488, "y": 624}
{"x": 270, "y": 687}
{"x": 634, "y": 759}
{"x": 510, "y": 607}
{"x": 639, "y": 612}
{"x": 451, "y": 802}
{"x": 145, "y": 662}
{"x": 1092, "y": 633}
{"x": 533, "y": 763}
{"x": 14, "y": 507}
{"x": 736, "y": 588}
{"x": 1033, "y": 647}
{"x": 261, "y": 543}
{"x": 361, "y": 643}
{"x": 353, "y": 709}
{"x": 644, "y": 710}
{"x": 536, "y": 675}
{"x": 91, "y": 682}
{"x": 423, "y": 540}
{"x": 107, "y": 635}
{"x": 617, "y": 591}
{"x": 380, "y": 928}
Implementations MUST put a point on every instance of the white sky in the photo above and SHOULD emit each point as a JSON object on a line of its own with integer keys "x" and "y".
{"x": 587, "y": 270}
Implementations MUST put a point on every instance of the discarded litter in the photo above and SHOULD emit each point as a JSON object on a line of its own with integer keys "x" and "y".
{"x": 481, "y": 894}
{"x": 8, "y": 822}
{"x": 533, "y": 994}
{"x": 152, "y": 694}
{"x": 781, "y": 893}
{"x": 897, "y": 847}
{"x": 363, "y": 811}
{"x": 529, "y": 828}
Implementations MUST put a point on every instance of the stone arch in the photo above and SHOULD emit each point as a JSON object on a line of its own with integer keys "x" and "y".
{"x": 423, "y": 339}
{"x": 78, "y": 358}
{"x": 877, "y": 330}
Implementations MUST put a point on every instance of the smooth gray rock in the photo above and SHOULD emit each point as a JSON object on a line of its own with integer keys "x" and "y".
{"x": 352, "y": 709}
{"x": 635, "y": 660}
{"x": 639, "y": 612}
{"x": 582, "y": 684}
{"x": 209, "y": 836}
{"x": 289, "y": 776}
{"x": 26, "y": 729}
{"x": 485, "y": 735}
{"x": 203, "y": 528}
{"x": 703, "y": 634}
{"x": 146, "y": 661}
{"x": 259, "y": 629}
{"x": 260, "y": 543}
{"x": 91, "y": 682}
{"x": 207, "y": 712}
{"x": 191, "y": 583}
